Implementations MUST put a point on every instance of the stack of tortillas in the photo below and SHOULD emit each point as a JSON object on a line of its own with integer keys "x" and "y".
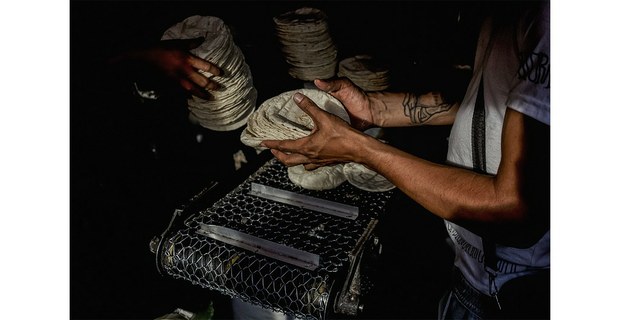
{"x": 365, "y": 72}
{"x": 279, "y": 118}
{"x": 231, "y": 105}
{"x": 307, "y": 44}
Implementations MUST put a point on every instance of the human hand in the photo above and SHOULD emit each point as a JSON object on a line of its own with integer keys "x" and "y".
{"x": 173, "y": 60}
{"x": 354, "y": 99}
{"x": 331, "y": 141}
{"x": 177, "y": 63}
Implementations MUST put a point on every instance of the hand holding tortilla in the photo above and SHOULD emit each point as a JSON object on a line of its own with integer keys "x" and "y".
{"x": 330, "y": 137}
{"x": 279, "y": 120}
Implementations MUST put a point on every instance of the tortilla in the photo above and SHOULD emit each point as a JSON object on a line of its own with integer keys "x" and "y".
{"x": 306, "y": 43}
{"x": 279, "y": 118}
{"x": 363, "y": 178}
{"x": 323, "y": 178}
{"x": 230, "y": 106}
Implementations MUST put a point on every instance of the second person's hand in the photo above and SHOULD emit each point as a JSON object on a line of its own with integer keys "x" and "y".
{"x": 173, "y": 58}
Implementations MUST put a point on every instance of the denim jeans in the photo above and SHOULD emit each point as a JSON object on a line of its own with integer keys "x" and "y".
{"x": 463, "y": 301}
{"x": 526, "y": 297}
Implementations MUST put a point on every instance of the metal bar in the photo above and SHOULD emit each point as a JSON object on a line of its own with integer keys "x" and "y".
{"x": 304, "y": 201}
{"x": 263, "y": 247}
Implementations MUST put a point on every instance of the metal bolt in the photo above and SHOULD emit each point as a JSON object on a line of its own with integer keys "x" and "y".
{"x": 153, "y": 244}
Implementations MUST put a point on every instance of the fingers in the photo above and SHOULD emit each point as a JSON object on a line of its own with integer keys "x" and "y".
{"x": 288, "y": 151}
{"x": 309, "y": 107}
{"x": 285, "y": 145}
{"x": 312, "y": 166}
{"x": 342, "y": 89}
{"x": 201, "y": 81}
{"x": 332, "y": 85}
{"x": 290, "y": 159}
{"x": 194, "y": 89}
{"x": 180, "y": 47}
{"x": 204, "y": 65}
{"x": 293, "y": 159}
{"x": 324, "y": 85}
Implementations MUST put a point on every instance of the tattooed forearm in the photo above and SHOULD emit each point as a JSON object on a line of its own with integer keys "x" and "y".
{"x": 420, "y": 112}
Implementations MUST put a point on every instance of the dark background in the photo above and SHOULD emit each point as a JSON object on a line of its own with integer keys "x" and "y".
{"x": 133, "y": 161}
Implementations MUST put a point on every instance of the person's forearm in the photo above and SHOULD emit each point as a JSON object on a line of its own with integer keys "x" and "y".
{"x": 451, "y": 193}
{"x": 408, "y": 109}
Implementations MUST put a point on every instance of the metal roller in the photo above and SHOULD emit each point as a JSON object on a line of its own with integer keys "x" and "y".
{"x": 276, "y": 245}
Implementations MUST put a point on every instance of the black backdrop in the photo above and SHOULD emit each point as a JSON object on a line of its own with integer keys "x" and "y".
{"x": 133, "y": 162}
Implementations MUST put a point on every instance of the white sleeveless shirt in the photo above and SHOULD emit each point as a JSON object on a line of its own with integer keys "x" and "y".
{"x": 515, "y": 61}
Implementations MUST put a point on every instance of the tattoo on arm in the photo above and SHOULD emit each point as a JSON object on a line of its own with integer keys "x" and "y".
{"x": 419, "y": 112}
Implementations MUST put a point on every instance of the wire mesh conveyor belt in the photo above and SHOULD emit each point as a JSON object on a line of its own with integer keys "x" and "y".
{"x": 284, "y": 257}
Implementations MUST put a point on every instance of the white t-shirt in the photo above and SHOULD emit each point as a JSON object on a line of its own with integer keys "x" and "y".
{"x": 516, "y": 65}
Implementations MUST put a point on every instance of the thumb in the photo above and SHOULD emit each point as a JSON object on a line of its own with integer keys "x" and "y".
{"x": 309, "y": 107}
{"x": 326, "y": 85}
{"x": 332, "y": 86}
